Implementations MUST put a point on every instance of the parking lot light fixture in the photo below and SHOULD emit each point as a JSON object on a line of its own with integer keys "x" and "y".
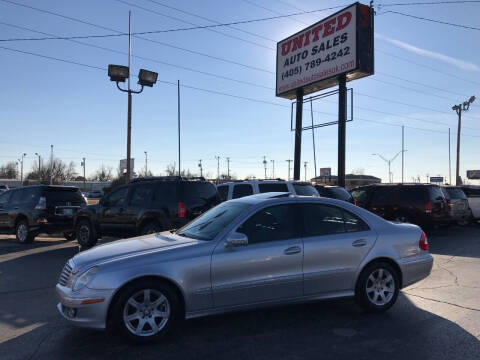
{"x": 118, "y": 73}
{"x": 147, "y": 78}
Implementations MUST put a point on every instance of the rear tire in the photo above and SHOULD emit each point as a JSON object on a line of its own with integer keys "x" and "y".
{"x": 70, "y": 235}
{"x": 86, "y": 235}
{"x": 147, "y": 310}
{"x": 377, "y": 287}
{"x": 23, "y": 233}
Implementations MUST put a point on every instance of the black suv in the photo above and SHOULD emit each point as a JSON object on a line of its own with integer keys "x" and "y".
{"x": 30, "y": 210}
{"x": 421, "y": 204}
{"x": 145, "y": 206}
{"x": 335, "y": 192}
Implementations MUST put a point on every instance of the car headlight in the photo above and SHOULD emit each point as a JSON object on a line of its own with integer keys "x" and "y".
{"x": 84, "y": 278}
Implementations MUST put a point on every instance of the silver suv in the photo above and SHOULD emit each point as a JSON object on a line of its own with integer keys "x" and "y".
{"x": 239, "y": 189}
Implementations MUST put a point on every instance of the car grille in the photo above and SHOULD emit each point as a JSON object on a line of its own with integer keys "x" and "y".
{"x": 65, "y": 275}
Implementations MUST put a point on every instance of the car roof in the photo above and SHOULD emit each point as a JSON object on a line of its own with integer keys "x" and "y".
{"x": 268, "y": 181}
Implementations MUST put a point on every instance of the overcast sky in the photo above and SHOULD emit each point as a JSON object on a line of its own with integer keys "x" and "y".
{"x": 422, "y": 70}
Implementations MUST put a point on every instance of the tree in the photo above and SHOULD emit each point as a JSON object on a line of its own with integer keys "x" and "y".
{"x": 9, "y": 170}
{"x": 103, "y": 173}
{"x": 172, "y": 171}
{"x": 57, "y": 170}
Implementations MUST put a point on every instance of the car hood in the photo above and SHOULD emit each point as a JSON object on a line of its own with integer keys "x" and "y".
{"x": 126, "y": 248}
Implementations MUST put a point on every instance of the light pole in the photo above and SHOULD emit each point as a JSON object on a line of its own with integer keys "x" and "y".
{"x": 201, "y": 167}
{"x": 84, "y": 180}
{"x": 389, "y": 162}
{"x": 265, "y": 166}
{"x": 228, "y": 168}
{"x": 305, "y": 165}
{"x": 39, "y": 164}
{"x": 218, "y": 168}
{"x": 119, "y": 73}
{"x": 51, "y": 164}
{"x": 289, "y": 162}
{"x": 146, "y": 163}
{"x": 21, "y": 171}
{"x": 458, "y": 109}
{"x": 273, "y": 169}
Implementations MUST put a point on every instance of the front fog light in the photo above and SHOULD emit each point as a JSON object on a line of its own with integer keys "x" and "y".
{"x": 71, "y": 312}
{"x": 85, "y": 278}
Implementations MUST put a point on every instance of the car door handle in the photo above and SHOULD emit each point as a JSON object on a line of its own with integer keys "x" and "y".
{"x": 292, "y": 250}
{"x": 359, "y": 242}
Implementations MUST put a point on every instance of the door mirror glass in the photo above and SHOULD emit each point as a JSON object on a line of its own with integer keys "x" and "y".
{"x": 236, "y": 239}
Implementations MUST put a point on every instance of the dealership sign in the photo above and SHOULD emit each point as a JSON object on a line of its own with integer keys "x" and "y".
{"x": 436, "y": 179}
{"x": 313, "y": 58}
{"x": 473, "y": 174}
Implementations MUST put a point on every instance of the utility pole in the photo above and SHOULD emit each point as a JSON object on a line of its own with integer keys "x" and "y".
{"x": 228, "y": 168}
{"x": 265, "y": 166}
{"x": 403, "y": 149}
{"x": 427, "y": 178}
{"x": 305, "y": 165}
{"x": 273, "y": 169}
{"x": 200, "y": 166}
{"x": 39, "y": 164}
{"x": 129, "y": 113}
{"x": 84, "y": 180}
{"x": 298, "y": 136}
{"x": 342, "y": 125}
{"x": 21, "y": 171}
{"x": 51, "y": 164}
{"x": 458, "y": 109}
{"x": 178, "y": 105}
{"x": 146, "y": 163}
{"x": 449, "y": 160}
{"x": 218, "y": 167}
{"x": 313, "y": 139}
{"x": 289, "y": 162}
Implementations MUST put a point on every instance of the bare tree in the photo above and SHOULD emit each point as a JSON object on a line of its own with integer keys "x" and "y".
{"x": 57, "y": 170}
{"x": 172, "y": 171}
{"x": 103, "y": 173}
{"x": 9, "y": 170}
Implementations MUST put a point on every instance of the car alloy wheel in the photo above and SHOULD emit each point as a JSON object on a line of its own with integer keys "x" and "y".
{"x": 83, "y": 234}
{"x": 146, "y": 312}
{"x": 380, "y": 287}
{"x": 22, "y": 232}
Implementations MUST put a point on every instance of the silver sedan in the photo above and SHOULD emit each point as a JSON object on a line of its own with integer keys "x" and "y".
{"x": 256, "y": 251}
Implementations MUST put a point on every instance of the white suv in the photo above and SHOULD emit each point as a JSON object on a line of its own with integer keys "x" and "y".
{"x": 238, "y": 189}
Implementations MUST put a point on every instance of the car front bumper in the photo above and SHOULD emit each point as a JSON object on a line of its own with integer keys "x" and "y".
{"x": 85, "y": 307}
{"x": 415, "y": 269}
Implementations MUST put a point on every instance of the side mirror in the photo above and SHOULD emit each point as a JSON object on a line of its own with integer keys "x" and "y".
{"x": 236, "y": 239}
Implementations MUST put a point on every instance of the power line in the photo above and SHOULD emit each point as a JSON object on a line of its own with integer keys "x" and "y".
{"x": 272, "y": 11}
{"x": 431, "y": 3}
{"x": 431, "y": 20}
{"x": 211, "y": 20}
{"x": 142, "y": 38}
{"x": 207, "y": 27}
{"x": 426, "y": 66}
{"x": 148, "y": 59}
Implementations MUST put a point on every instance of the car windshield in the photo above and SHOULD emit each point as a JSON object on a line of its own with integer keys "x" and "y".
{"x": 340, "y": 193}
{"x": 207, "y": 226}
{"x": 305, "y": 190}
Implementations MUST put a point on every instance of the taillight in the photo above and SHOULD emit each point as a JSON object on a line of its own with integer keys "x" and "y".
{"x": 42, "y": 203}
{"x": 423, "y": 243}
{"x": 355, "y": 202}
{"x": 182, "y": 210}
{"x": 428, "y": 207}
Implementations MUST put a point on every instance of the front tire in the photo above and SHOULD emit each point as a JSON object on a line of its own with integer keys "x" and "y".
{"x": 23, "y": 233}
{"x": 377, "y": 287}
{"x": 148, "y": 310}
{"x": 86, "y": 235}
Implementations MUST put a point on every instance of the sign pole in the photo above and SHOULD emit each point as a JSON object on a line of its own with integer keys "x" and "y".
{"x": 298, "y": 135}
{"x": 342, "y": 122}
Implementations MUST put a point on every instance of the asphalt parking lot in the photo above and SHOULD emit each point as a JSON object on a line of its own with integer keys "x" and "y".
{"x": 438, "y": 318}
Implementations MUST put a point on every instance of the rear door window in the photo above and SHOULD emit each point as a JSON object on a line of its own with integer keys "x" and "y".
{"x": 281, "y": 187}
{"x": 435, "y": 193}
{"x": 30, "y": 195}
{"x": 165, "y": 195}
{"x": 353, "y": 223}
{"x": 141, "y": 196}
{"x": 117, "y": 197}
{"x": 322, "y": 219}
{"x": 242, "y": 190}
{"x": 305, "y": 190}
{"x": 456, "y": 193}
{"x": 471, "y": 192}
{"x": 16, "y": 197}
{"x": 223, "y": 192}
{"x": 4, "y": 197}
{"x": 360, "y": 195}
{"x": 412, "y": 194}
{"x": 384, "y": 195}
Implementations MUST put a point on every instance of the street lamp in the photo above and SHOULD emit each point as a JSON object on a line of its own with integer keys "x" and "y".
{"x": 39, "y": 164}
{"x": 146, "y": 163}
{"x": 458, "y": 109}
{"x": 118, "y": 74}
{"x": 389, "y": 162}
{"x": 21, "y": 172}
